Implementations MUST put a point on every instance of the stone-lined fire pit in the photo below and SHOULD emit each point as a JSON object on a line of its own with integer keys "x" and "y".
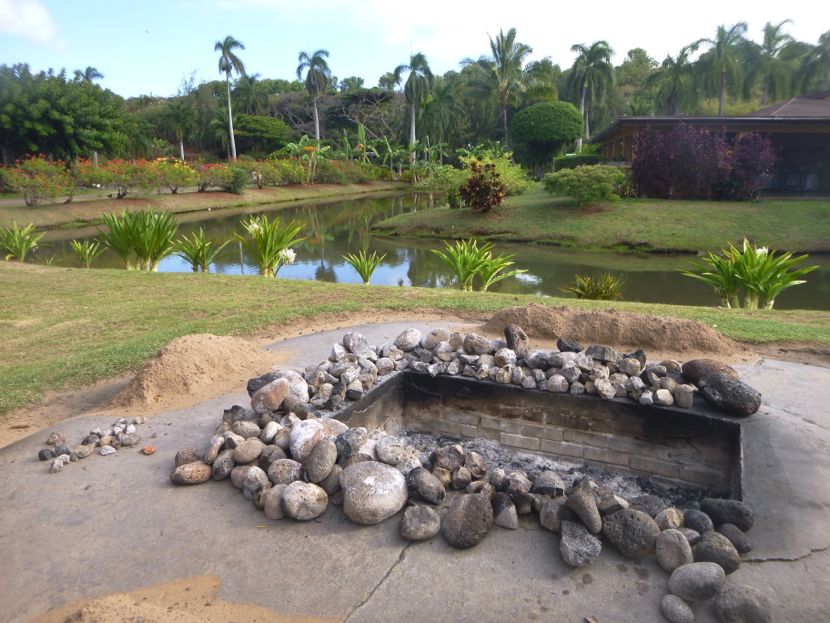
{"x": 464, "y": 433}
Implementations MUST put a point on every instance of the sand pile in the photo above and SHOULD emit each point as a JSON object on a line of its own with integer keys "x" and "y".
{"x": 191, "y": 600}
{"x": 197, "y": 365}
{"x": 614, "y": 328}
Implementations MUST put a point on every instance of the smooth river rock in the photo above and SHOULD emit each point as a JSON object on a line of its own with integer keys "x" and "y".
{"x": 738, "y": 603}
{"x": 272, "y": 502}
{"x": 676, "y": 610}
{"x": 426, "y": 485}
{"x": 673, "y": 550}
{"x": 699, "y": 581}
{"x": 372, "y": 492}
{"x": 420, "y": 523}
{"x": 319, "y": 463}
{"x": 304, "y": 501}
{"x": 714, "y": 547}
{"x": 269, "y": 397}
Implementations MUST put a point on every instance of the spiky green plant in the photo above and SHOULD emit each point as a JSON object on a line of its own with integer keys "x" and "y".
{"x": 465, "y": 258}
{"x": 492, "y": 270}
{"x": 754, "y": 272}
{"x": 198, "y": 251}
{"x": 268, "y": 241}
{"x": 120, "y": 235}
{"x": 364, "y": 263}
{"x": 155, "y": 236}
{"x": 603, "y": 287}
{"x": 17, "y": 242}
{"x": 87, "y": 251}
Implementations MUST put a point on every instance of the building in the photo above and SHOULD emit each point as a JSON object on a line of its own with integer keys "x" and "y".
{"x": 799, "y": 129}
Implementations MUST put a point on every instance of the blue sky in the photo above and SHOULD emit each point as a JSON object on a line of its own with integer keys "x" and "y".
{"x": 147, "y": 46}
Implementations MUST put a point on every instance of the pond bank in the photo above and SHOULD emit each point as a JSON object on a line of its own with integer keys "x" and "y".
{"x": 642, "y": 225}
{"x": 77, "y": 213}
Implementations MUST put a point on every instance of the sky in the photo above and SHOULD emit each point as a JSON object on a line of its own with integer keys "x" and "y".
{"x": 149, "y": 46}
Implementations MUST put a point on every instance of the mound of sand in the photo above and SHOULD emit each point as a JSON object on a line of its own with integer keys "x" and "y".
{"x": 613, "y": 328}
{"x": 191, "y": 600}
{"x": 194, "y": 366}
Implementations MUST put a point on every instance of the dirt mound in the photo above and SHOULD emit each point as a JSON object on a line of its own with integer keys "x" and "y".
{"x": 614, "y": 328}
{"x": 194, "y": 365}
{"x": 191, "y": 600}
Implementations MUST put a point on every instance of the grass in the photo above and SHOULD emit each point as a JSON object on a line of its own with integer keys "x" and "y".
{"x": 79, "y": 213}
{"x": 65, "y": 328}
{"x": 642, "y": 224}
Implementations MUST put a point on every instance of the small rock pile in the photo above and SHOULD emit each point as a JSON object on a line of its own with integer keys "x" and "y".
{"x": 354, "y": 366}
{"x": 122, "y": 434}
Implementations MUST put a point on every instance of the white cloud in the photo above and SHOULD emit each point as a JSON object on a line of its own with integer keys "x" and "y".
{"x": 28, "y": 18}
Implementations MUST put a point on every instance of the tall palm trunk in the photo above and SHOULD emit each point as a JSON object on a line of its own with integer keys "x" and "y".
{"x": 230, "y": 119}
{"x": 504, "y": 123}
{"x": 316, "y": 120}
{"x": 412, "y": 131}
{"x": 722, "y": 99}
{"x": 584, "y": 117}
{"x": 765, "y": 92}
{"x": 181, "y": 148}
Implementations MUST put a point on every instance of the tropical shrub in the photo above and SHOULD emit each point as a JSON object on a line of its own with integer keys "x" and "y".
{"x": 174, "y": 174}
{"x": 87, "y": 251}
{"x": 603, "y": 287}
{"x": 198, "y": 251}
{"x": 751, "y": 276}
{"x": 89, "y": 175}
{"x": 364, "y": 263}
{"x": 696, "y": 162}
{"x": 484, "y": 189}
{"x": 513, "y": 176}
{"x": 130, "y": 176}
{"x": 540, "y": 131}
{"x": 140, "y": 239}
{"x": 586, "y": 184}
{"x": 17, "y": 242}
{"x": 38, "y": 179}
{"x": 571, "y": 161}
{"x": 471, "y": 262}
{"x": 269, "y": 242}
{"x": 230, "y": 178}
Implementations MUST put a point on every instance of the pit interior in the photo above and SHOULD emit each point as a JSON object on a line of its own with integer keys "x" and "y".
{"x": 695, "y": 447}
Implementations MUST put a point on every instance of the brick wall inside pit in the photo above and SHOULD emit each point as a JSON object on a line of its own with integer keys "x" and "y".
{"x": 664, "y": 443}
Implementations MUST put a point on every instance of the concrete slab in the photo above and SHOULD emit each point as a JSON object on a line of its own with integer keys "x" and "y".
{"x": 117, "y": 523}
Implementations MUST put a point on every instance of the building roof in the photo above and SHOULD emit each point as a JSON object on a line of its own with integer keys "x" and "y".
{"x": 815, "y": 105}
{"x": 798, "y": 111}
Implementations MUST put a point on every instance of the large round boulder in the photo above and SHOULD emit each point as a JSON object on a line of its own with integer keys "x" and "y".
{"x": 468, "y": 520}
{"x": 696, "y": 370}
{"x": 304, "y": 501}
{"x": 698, "y": 581}
{"x": 372, "y": 492}
{"x": 304, "y": 436}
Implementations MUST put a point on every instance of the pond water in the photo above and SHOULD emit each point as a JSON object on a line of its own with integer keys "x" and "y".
{"x": 334, "y": 228}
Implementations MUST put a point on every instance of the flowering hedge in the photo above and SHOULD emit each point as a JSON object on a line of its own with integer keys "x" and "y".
{"x": 39, "y": 179}
{"x": 699, "y": 163}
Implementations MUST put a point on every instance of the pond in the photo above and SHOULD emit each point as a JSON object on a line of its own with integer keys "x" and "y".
{"x": 334, "y": 228}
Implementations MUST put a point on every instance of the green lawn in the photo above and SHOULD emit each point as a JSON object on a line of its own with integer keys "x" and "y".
{"x": 643, "y": 224}
{"x": 63, "y": 327}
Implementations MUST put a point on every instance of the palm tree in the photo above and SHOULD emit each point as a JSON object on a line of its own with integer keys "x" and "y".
{"x": 443, "y": 111}
{"x": 229, "y": 62}
{"x": 417, "y": 87}
{"x": 673, "y": 82}
{"x": 317, "y": 79}
{"x": 507, "y": 62}
{"x": 721, "y": 64}
{"x": 774, "y": 71}
{"x": 817, "y": 63}
{"x": 250, "y": 93}
{"x": 90, "y": 74}
{"x": 592, "y": 75}
{"x": 181, "y": 119}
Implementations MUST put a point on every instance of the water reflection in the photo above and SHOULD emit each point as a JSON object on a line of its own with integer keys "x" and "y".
{"x": 338, "y": 227}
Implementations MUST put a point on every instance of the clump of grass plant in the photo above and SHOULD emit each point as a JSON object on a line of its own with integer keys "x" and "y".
{"x": 140, "y": 239}
{"x": 17, "y": 242}
{"x": 750, "y": 277}
{"x": 87, "y": 251}
{"x": 471, "y": 261}
{"x": 198, "y": 251}
{"x": 364, "y": 263}
{"x": 269, "y": 242}
{"x": 603, "y": 287}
